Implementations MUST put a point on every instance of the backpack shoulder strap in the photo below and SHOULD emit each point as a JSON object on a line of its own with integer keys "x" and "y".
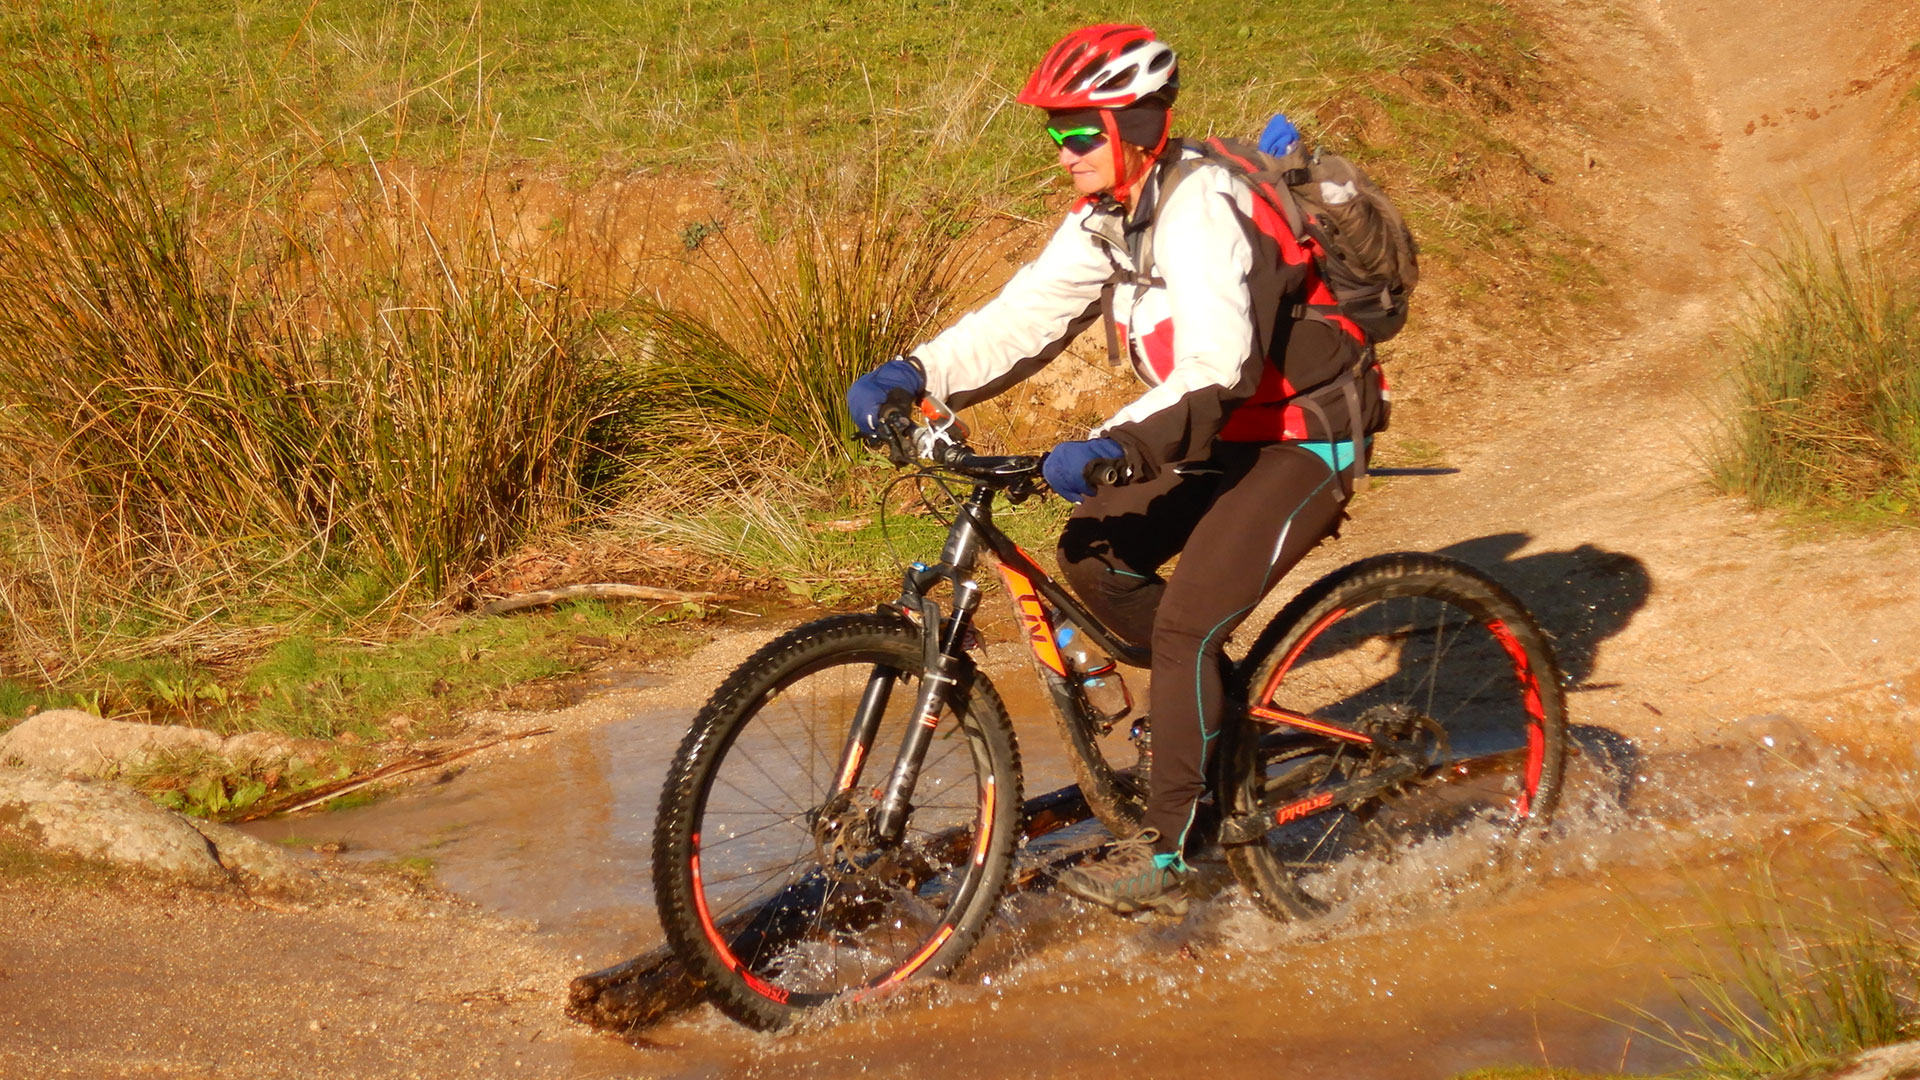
{"x": 1175, "y": 165}
{"x": 1270, "y": 178}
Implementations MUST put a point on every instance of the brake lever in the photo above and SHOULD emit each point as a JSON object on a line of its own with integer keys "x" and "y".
{"x": 898, "y": 440}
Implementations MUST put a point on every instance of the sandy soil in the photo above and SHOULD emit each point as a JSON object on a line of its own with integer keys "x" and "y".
{"x": 1683, "y": 128}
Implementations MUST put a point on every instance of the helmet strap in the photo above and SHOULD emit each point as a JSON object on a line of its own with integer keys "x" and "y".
{"x": 1122, "y": 182}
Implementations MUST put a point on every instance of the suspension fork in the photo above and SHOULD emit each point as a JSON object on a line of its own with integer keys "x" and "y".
{"x": 945, "y": 670}
{"x": 866, "y": 724}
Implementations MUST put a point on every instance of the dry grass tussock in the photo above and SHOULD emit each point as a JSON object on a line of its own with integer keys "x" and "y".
{"x": 1827, "y": 382}
{"x": 209, "y": 404}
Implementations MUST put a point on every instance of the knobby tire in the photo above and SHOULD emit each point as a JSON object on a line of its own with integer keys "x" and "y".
{"x": 773, "y": 919}
{"x": 1421, "y": 644}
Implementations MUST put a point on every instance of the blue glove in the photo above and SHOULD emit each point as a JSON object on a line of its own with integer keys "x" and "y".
{"x": 1279, "y": 137}
{"x": 897, "y": 381}
{"x": 1066, "y": 468}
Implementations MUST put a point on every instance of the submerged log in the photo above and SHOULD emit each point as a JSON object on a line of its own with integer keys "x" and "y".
{"x": 650, "y": 988}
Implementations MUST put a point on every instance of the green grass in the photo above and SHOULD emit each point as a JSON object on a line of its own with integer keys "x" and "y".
{"x": 211, "y": 785}
{"x": 1827, "y": 384}
{"x": 1789, "y": 983}
{"x": 316, "y": 685}
{"x": 593, "y": 82}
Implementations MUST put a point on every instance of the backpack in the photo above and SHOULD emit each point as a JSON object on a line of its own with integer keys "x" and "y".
{"x": 1359, "y": 242}
{"x": 1356, "y": 239}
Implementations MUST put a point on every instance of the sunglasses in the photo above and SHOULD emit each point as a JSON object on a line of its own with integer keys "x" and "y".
{"x": 1079, "y": 141}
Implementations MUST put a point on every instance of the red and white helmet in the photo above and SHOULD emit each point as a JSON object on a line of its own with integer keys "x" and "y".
{"x": 1109, "y": 66}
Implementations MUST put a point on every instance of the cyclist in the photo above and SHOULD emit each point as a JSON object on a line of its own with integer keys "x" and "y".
{"x": 1234, "y": 456}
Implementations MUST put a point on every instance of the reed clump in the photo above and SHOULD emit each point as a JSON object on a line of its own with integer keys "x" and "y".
{"x": 1791, "y": 982}
{"x": 800, "y": 300}
{"x": 1827, "y": 383}
{"x": 213, "y": 403}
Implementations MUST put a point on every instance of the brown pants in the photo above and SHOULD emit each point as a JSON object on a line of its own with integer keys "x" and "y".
{"x": 1243, "y": 518}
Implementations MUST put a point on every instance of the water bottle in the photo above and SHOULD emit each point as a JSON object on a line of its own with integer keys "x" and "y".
{"x": 1100, "y": 680}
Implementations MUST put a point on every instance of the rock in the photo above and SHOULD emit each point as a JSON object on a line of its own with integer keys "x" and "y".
{"x": 1885, "y": 1063}
{"x": 76, "y": 744}
{"x": 100, "y": 820}
{"x": 79, "y": 744}
{"x": 256, "y": 862}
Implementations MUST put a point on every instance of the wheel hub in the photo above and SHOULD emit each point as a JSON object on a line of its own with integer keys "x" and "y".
{"x": 1402, "y": 733}
{"x": 843, "y": 836}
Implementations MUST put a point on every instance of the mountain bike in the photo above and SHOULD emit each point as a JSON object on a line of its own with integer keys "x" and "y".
{"x": 843, "y": 813}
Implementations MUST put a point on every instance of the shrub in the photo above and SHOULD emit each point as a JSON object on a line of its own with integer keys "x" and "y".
{"x": 202, "y": 396}
{"x": 1828, "y": 383}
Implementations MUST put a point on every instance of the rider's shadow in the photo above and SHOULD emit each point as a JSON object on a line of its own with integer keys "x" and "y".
{"x": 1581, "y": 597}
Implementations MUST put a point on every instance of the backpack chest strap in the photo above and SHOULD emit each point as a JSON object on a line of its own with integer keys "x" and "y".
{"x": 1120, "y": 277}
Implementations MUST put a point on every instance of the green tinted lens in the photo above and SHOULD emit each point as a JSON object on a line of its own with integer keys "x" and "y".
{"x": 1079, "y": 140}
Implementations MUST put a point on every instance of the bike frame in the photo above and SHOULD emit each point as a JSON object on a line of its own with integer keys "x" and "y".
{"x": 1040, "y": 603}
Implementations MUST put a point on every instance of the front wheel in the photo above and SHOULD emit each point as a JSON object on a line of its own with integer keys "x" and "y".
{"x": 771, "y": 886}
{"x": 1456, "y": 688}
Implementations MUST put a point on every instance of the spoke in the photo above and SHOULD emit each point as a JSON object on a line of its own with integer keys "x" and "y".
{"x": 754, "y": 872}
{"x": 749, "y": 894}
{"x": 771, "y": 730}
{"x": 755, "y": 800}
{"x": 707, "y": 848}
{"x": 1333, "y": 825}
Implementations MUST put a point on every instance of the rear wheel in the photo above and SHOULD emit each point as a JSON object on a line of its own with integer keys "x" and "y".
{"x": 1455, "y": 686}
{"x": 771, "y": 888}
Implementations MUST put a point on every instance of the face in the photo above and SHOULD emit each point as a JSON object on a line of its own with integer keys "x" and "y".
{"x": 1092, "y": 172}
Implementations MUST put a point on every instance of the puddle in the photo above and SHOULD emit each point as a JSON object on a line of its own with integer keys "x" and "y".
{"x": 1460, "y": 958}
{"x": 556, "y": 829}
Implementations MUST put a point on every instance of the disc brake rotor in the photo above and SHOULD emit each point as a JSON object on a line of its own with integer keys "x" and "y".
{"x": 843, "y": 838}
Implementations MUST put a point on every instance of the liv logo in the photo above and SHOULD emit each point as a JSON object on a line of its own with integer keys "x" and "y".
{"x": 1033, "y": 614}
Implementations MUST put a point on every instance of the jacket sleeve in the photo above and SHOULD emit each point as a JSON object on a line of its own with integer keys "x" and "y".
{"x": 1036, "y": 315}
{"x": 1202, "y": 250}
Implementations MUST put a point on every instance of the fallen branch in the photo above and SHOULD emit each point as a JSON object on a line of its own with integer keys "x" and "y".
{"x": 431, "y": 759}
{"x": 608, "y": 591}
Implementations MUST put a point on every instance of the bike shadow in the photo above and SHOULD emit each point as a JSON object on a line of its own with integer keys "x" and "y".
{"x": 1581, "y": 597}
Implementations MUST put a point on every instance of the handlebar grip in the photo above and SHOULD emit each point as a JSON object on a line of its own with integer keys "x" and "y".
{"x": 1104, "y": 473}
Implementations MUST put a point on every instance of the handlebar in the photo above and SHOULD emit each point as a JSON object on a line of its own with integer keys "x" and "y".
{"x": 1106, "y": 473}
{"x": 942, "y": 441}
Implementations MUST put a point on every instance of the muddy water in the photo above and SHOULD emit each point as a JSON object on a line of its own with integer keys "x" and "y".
{"x": 1464, "y": 957}
{"x": 555, "y": 830}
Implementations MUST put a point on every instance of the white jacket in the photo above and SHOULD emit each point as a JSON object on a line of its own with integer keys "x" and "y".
{"x": 1199, "y": 332}
{"x": 1201, "y": 250}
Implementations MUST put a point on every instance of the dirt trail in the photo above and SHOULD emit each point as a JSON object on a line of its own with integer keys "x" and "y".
{"x": 1678, "y": 610}
{"x": 1685, "y": 125}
